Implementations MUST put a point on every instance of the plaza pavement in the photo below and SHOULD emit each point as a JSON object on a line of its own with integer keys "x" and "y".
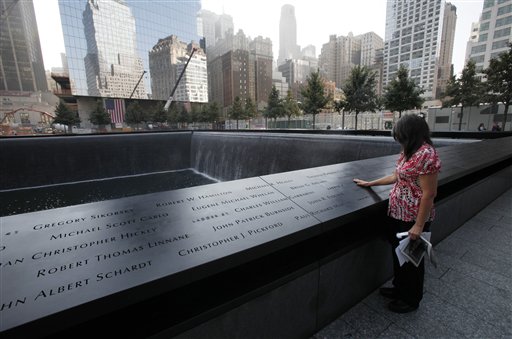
{"x": 469, "y": 295}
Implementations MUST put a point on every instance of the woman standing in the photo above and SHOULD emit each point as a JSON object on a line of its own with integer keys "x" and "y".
{"x": 411, "y": 205}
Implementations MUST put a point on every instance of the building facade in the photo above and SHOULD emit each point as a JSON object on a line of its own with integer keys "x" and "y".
{"x": 112, "y": 66}
{"x": 261, "y": 57}
{"x": 21, "y": 59}
{"x": 163, "y": 60}
{"x": 124, "y": 33}
{"x": 491, "y": 35}
{"x": 214, "y": 27}
{"x": 288, "y": 48}
{"x": 414, "y": 31}
{"x": 193, "y": 86}
{"x": 240, "y": 66}
{"x": 342, "y": 53}
{"x": 444, "y": 70}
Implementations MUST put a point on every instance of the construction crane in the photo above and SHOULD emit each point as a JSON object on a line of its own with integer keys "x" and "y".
{"x": 169, "y": 101}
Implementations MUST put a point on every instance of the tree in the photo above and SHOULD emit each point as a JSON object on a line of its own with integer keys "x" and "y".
{"x": 100, "y": 116}
{"x": 195, "y": 113}
{"x": 465, "y": 91}
{"x": 402, "y": 93}
{"x": 236, "y": 112}
{"x": 499, "y": 81}
{"x": 274, "y": 105}
{"x": 64, "y": 116}
{"x": 360, "y": 91}
{"x": 213, "y": 112}
{"x": 313, "y": 94}
{"x": 290, "y": 107}
{"x": 160, "y": 115}
{"x": 173, "y": 115}
{"x": 135, "y": 114}
{"x": 250, "y": 109}
{"x": 183, "y": 116}
{"x": 339, "y": 106}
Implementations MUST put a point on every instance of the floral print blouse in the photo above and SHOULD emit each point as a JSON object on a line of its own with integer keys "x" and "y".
{"x": 405, "y": 196}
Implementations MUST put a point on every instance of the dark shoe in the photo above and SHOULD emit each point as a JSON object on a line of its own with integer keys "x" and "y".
{"x": 399, "y": 306}
{"x": 389, "y": 292}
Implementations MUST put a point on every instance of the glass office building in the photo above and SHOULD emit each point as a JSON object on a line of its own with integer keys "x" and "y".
{"x": 21, "y": 60}
{"x": 108, "y": 42}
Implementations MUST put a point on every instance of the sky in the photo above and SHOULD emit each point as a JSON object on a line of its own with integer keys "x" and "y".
{"x": 316, "y": 21}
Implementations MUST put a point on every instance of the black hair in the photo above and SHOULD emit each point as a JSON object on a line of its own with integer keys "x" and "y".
{"x": 411, "y": 131}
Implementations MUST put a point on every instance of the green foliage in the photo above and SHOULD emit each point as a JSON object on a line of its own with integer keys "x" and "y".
{"x": 250, "y": 108}
{"x": 274, "y": 108}
{"x": 359, "y": 91}
{"x": 195, "y": 113}
{"x": 499, "y": 80}
{"x": 212, "y": 112}
{"x": 339, "y": 106}
{"x": 313, "y": 95}
{"x": 100, "y": 116}
{"x": 135, "y": 114}
{"x": 64, "y": 116}
{"x": 465, "y": 91}
{"x": 173, "y": 114}
{"x": 402, "y": 93}
{"x": 290, "y": 107}
{"x": 159, "y": 114}
{"x": 183, "y": 116}
{"x": 237, "y": 111}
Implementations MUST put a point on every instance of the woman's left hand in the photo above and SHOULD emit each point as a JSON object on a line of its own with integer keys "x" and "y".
{"x": 415, "y": 232}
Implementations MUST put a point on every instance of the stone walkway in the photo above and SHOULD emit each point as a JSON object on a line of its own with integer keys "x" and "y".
{"x": 469, "y": 295}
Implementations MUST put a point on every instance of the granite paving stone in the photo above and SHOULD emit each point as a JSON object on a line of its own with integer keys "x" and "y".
{"x": 493, "y": 278}
{"x": 367, "y": 322}
{"x": 395, "y": 332}
{"x": 469, "y": 294}
{"x": 473, "y": 304}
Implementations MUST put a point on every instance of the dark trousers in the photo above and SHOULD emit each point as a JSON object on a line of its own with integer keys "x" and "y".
{"x": 408, "y": 279}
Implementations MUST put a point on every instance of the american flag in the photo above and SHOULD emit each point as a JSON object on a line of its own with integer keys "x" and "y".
{"x": 115, "y": 107}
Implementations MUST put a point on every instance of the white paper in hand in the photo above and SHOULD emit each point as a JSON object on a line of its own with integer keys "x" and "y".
{"x": 402, "y": 259}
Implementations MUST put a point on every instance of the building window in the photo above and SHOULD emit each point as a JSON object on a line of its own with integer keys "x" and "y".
{"x": 482, "y": 37}
{"x": 500, "y": 44}
{"x": 478, "y": 49}
{"x": 478, "y": 59}
{"x": 406, "y": 40}
{"x": 502, "y": 32}
{"x": 486, "y": 16}
{"x": 505, "y": 9}
{"x": 489, "y": 3}
{"x": 484, "y": 26}
{"x": 504, "y": 21}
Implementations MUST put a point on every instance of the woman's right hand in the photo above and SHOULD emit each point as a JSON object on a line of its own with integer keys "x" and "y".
{"x": 362, "y": 183}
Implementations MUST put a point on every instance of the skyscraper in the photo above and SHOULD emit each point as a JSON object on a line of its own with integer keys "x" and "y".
{"x": 214, "y": 27}
{"x": 239, "y": 66}
{"x": 288, "y": 48}
{"x": 446, "y": 52}
{"x": 21, "y": 60}
{"x": 124, "y": 25}
{"x": 193, "y": 86}
{"x": 413, "y": 38}
{"x": 261, "y": 57}
{"x": 491, "y": 35}
{"x": 342, "y": 53}
{"x": 163, "y": 60}
{"x": 112, "y": 65}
